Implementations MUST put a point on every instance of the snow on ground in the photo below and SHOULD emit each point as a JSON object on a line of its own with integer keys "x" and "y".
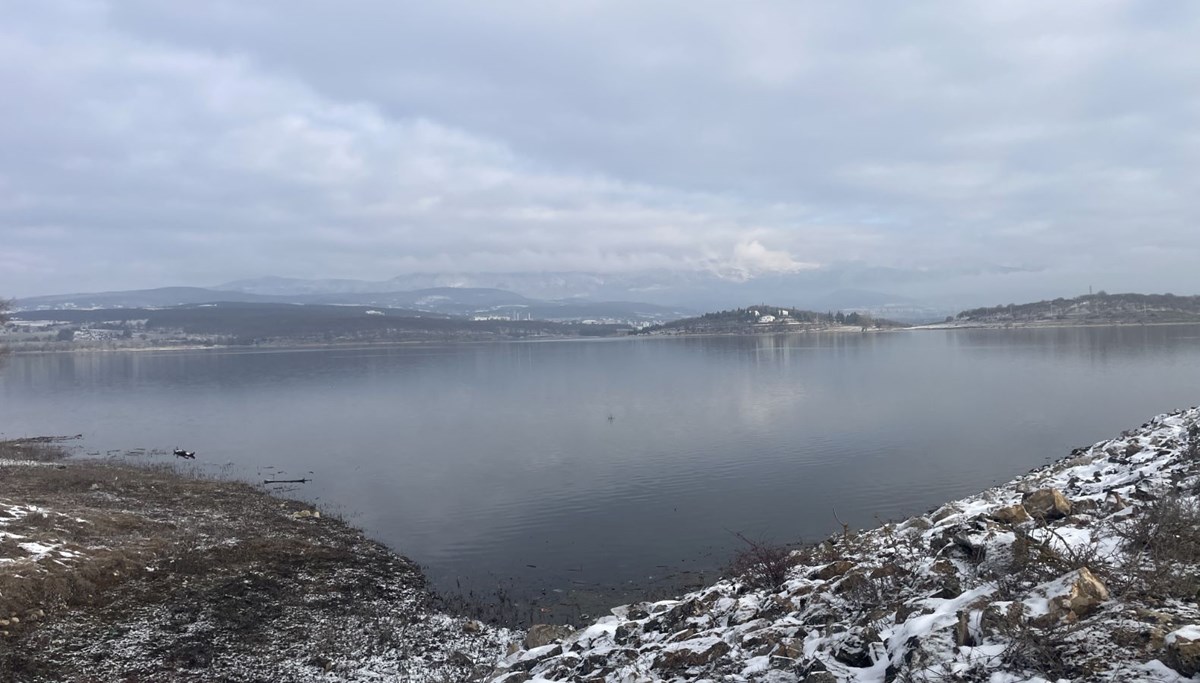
{"x": 17, "y": 547}
{"x": 1061, "y": 574}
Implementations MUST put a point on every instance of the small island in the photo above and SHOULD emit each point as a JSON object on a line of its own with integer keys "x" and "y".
{"x": 764, "y": 319}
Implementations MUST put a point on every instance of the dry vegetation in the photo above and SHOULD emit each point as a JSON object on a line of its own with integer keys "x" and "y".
{"x": 115, "y": 572}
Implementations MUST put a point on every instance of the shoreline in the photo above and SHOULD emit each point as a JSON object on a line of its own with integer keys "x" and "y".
{"x": 1047, "y": 325}
{"x": 111, "y": 570}
{"x": 354, "y": 346}
{"x": 1039, "y": 579}
{"x": 1085, "y": 569}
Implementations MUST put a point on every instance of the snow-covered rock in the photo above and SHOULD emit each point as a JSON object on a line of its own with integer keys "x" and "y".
{"x": 1183, "y": 650}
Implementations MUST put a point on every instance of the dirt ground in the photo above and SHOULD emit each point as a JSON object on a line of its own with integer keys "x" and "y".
{"x": 117, "y": 572}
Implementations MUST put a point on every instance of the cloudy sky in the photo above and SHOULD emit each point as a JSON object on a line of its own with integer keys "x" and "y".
{"x": 1042, "y": 146}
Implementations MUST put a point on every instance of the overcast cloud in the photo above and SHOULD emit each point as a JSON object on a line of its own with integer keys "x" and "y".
{"x": 147, "y": 143}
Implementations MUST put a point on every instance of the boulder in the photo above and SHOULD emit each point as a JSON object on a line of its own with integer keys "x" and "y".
{"x": 1013, "y": 514}
{"x": 1084, "y": 593}
{"x": 945, "y": 512}
{"x": 834, "y": 570}
{"x": 691, "y": 653}
{"x": 1183, "y": 650}
{"x": 544, "y": 634}
{"x": 1047, "y": 504}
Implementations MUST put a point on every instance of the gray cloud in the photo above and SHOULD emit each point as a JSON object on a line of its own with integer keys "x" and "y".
{"x": 151, "y": 143}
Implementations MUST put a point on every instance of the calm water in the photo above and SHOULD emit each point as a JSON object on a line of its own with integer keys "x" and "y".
{"x": 480, "y": 460}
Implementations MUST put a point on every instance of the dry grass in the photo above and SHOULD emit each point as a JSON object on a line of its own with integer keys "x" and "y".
{"x": 39, "y": 449}
{"x": 160, "y": 550}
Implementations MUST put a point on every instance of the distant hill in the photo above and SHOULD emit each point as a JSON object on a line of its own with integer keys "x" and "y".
{"x": 138, "y": 298}
{"x": 483, "y": 302}
{"x": 253, "y": 323}
{"x": 1094, "y": 309}
{"x": 768, "y": 319}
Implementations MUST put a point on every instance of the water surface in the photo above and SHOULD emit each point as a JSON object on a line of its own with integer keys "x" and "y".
{"x": 605, "y": 463}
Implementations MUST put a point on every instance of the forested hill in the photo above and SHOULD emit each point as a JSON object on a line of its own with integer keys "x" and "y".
{"x": 1101, "y": 308}
{"x": 236, "y": 323}
{"x": 759, "y": 319}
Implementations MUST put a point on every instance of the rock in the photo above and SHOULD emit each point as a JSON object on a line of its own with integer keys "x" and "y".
{"x": 1153, "y": 616}
{"x": 1084, "y": 594}
{"x": 1087, "y": 592}
{"x": 691, "y": 653}
{"x": 820, "y": 677}
{"x": 1086, "y": 505}
{"x": 853, "y": 651}
{"x": 1013, "y": 514}
{"x": 525, "y": 661}
{"x": 962, "y": 630}
{"x": 792, "y": 648}
{"x": 1183, "y": 650}
{"x": 458, "y": 658}
{"x": 634, "y": 612}
{"x": 685, "y": 634}
{"x": 1156, "y": 639}
{"x": 544, "y": 634}
{"x": 945, "y": 512}
{"x": 673, "y": 619}
{"x": 918, "y": 523}
{"x": 1113, "y": 502}
{"x": 1047, "y": 504}
{"x": 834, "y": 570}
{"x": 626, "y": 632}
{"x": 851, "y": 582}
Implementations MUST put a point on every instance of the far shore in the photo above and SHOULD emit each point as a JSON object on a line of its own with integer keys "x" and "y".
{"x": 283, "y": 346}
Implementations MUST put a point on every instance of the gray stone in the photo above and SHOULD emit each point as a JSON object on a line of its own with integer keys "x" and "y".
{"x": 1183, "y": 652}
{"x": 544, "y": 634}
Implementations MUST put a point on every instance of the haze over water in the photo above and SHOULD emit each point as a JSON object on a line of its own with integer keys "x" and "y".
{"x": 605, "y": 463}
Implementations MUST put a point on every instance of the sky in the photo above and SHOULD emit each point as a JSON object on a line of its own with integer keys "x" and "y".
{"x": 1008, "y": 150}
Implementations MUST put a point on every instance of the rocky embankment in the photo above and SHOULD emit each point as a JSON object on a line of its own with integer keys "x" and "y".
{"x": 1085, "y": 570}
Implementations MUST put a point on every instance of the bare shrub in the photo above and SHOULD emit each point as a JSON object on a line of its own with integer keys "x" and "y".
{"x": 761, "y": 564}
{"x": 1162, "y": 543}
{"x": 1039, "y": 650}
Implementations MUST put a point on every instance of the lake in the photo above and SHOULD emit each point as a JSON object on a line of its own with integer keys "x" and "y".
{"x": 588, "y": 472}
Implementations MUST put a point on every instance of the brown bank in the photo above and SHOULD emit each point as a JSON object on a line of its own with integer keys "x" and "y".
{"x": 113, "y": 572}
